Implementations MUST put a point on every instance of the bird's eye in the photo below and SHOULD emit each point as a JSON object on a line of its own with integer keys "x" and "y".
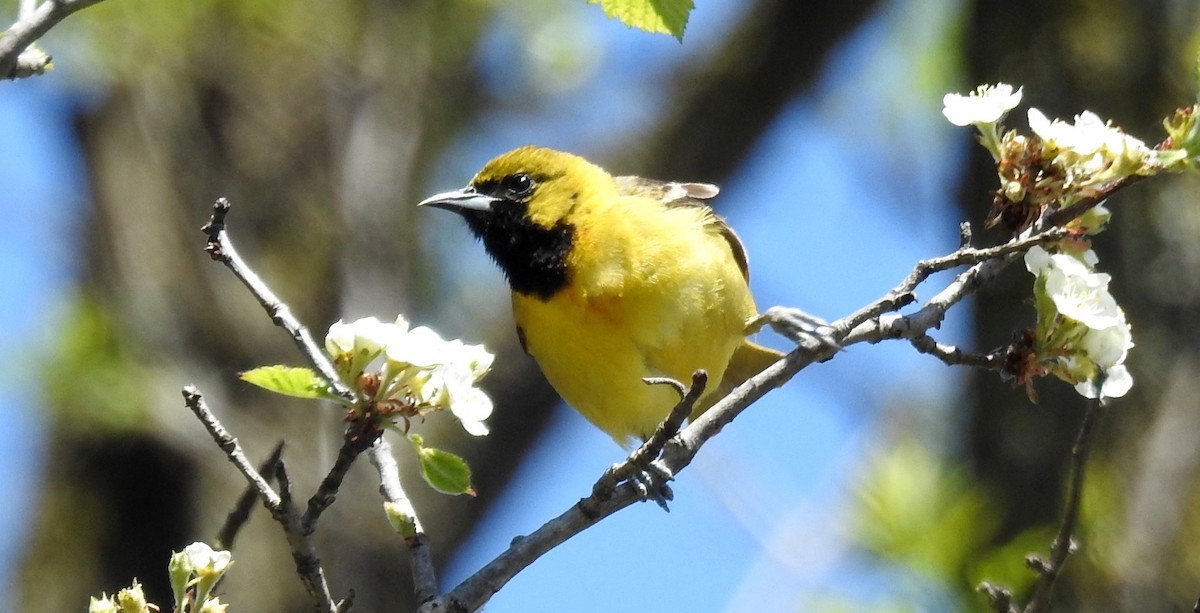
{"x": 518, "y": 185}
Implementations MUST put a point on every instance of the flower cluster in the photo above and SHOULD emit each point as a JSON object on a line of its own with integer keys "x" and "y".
{"x": 194, "y": 572}
{"x": 420, "y": 372}
{"x": 1090, "y": 152}
{"x": 131, "y": 599}
{"x": 1055, "y": 166}
{"x": 1082, "y": 336}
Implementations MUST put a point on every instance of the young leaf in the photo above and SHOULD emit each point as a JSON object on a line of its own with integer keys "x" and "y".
{"x": 655, "y": 16}
{"x": 442, "y": 470}
{"x": 289, "y": 381}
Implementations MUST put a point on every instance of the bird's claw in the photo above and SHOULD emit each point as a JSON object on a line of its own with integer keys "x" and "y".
{"x": 799, "y": 326}
{"x": 652, "y": 482}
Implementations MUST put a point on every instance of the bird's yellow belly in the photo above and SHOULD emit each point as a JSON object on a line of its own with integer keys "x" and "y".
{"x": 596, "y": 352}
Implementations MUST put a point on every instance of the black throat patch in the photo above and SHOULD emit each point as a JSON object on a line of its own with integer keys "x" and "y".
{"x": 533, "y": 258}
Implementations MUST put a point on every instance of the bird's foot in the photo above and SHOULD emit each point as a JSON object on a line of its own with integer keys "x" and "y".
{"x": 652, "y": 482}
{"x": 802, "y": 328}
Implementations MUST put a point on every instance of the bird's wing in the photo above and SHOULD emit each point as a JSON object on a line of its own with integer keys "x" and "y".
{"x": 672, "y": 193}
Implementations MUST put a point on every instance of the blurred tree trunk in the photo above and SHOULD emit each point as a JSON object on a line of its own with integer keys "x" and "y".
{"x": 1126, "y": 60}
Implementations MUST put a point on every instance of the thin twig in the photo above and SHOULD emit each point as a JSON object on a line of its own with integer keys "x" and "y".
{"x": 641, "y": 457}
{"x": 984, "y": 263}
{"x": 952, "y": 355}
{"x": 473, "y": 592}
{"x": 221, "y": 249}
{"x": 304, "y": 552}
{"x": 420, "y": 555}
{"x": 229, "y": 444}
{"x": 999, "y": 596}
{"x": 240, "y": 513}
{"x": 688, "y": 397}
{"x": 1065, "y": 214}
{"x": 1064, "y": 544}
{"x": 358, "y": 438}
{"x": 16, "y": 41}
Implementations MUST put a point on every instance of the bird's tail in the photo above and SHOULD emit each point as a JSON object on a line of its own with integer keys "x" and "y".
{"x": 748, "y": 360}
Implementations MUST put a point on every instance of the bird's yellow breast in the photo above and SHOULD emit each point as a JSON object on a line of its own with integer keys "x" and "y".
{"x": 653, "y": 291}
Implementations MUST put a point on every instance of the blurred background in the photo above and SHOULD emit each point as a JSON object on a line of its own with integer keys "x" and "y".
{"x": 881, "y": 480}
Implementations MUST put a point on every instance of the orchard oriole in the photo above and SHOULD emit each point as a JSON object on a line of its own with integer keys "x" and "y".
{"x": 614, "y": 279}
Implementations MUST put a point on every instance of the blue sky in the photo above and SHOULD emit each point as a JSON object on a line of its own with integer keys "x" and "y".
{"x": 846, "y": 191}
{"x": 42, "y": 196}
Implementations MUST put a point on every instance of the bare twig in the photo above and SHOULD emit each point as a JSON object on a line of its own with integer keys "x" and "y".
{"x": 240, "y": 512}
{"x": 473, "y": 592}
{"x": 999, "y": 596}
{"x": 18, "y": 58}
{"x": 420, "y": 556}
{"x": 1065, "y": 214}
{"x": 221, "y": 249}
{"x": 688, "y": 397}
{"x": 230, "y": 446}
{"x": 641, "y": 457}
{"x": 358, "y": 438}
{"x": 984, "y": 263}
{"x": 1064, "y": 545}
{"x": 304, "y": 552}
{"x": 954, "y": 356}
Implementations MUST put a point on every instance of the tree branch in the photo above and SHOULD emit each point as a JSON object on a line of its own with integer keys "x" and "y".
{"x": 18, "y": 59}
{"x": 420, "y": 555}
{"x": 1064, "y": 544}
{"x": 240, "y": 513}
{"x": 299, "y": 537}
{"x": 358, "y": 437}
{"x": 221, "y": 249}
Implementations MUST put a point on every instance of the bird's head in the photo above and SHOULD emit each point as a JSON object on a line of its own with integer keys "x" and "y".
{"x": 524, "y": 205}
{"x": 542, "y": 186}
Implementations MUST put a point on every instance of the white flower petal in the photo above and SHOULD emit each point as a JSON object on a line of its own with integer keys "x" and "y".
{"x": 1108, "y": 347}
{"x": 1037, "y": 260}
{"x": 420, "y": 347}
{"x": 986, "y": 105}
{"x": 1117, "y": 383}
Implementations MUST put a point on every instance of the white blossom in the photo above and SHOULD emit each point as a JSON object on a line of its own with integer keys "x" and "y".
{"x": 1091, "y": 150}
{"x": 104, "y": 604}
{"x": 364, "y": 337}
{"x": 1082, "y": 329}
{"x": 421, "y": 347}
{"x": 986, "y": 105}
{"x": 1077, "y": 291}
{"x": 471, "y": 406}
{"x": 1109, "y": 346}
{"x": 203, "y": 560}
{"x": 1117, "y": 383}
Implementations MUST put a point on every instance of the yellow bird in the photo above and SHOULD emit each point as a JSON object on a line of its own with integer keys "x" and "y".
{"x": 614, "y": 279}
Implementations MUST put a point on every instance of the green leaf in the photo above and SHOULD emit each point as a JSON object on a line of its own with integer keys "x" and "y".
{"x": 442, "y": 470}
{"x": 289, "y": 381}
{"x": 654, "y": 16}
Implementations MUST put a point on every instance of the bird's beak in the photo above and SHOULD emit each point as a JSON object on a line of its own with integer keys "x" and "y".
{"x": 461, "y": 201}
